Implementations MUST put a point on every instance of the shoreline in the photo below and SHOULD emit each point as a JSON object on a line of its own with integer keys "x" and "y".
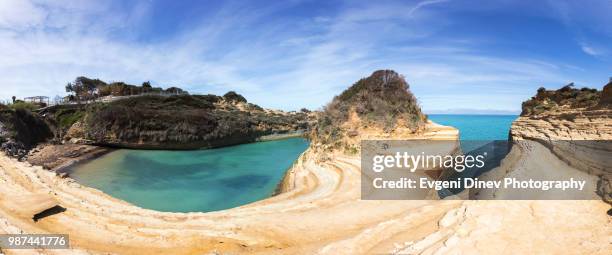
{"x": 68, "y": 165}
{"x": 99, "y": 223}
{"x": 58, "y": 158}
{"x": 282, "y": 136}
{"x": 97, "y": 151}
{"x": 315, "y": 189}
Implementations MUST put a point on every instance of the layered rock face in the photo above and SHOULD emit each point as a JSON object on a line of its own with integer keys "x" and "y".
{"x": 182, "y": 122}
{"x": 576, "y": 126}
{"x": 319, "y": 212}
{"x": 583, "y": 142}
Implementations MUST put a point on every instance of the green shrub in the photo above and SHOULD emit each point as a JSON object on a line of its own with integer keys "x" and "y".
{"x": 234, "y": 97}
{"x": 24, "y": 106}
{"x": 567, "y": 96}
{"x": 67, "y": 118}
{"x": 380, "y": 100}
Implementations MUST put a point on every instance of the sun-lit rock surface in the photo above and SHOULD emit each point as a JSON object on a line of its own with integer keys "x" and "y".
{"x": 318, "y": 212}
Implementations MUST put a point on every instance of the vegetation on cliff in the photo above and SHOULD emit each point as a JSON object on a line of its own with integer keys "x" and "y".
{"x": 382, "y": 100}
{"x": 183, "y": 122}
{"x": 84, "y": 88}
{"x": 20, "y": 130}
{"x": 143, "y": 117}
{"x": 565, "y": 98}
{"x": 234, "y": 97}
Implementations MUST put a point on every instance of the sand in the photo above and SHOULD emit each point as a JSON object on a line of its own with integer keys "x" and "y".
{"x": 319, "y": 212}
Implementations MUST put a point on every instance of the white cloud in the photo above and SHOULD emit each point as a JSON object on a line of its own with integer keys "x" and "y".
{"x": 20, "y": 14}
{"x": 423, "y": 4}
{"x": 592, "y": 50}
{"x": 289, "y": 64}
{"x": 589, "y": 50}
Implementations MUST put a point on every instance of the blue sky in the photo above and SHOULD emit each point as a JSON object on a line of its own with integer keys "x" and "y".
{"x": 456, "y": 55}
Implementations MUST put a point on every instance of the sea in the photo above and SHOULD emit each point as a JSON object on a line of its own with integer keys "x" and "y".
{"x": 217, "y": 179}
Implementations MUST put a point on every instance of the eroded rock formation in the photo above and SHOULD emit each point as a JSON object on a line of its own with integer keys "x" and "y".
{"x": 176, "y": 122}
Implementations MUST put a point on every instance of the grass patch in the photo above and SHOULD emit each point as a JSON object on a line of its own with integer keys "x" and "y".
{"x": 67, "y": 118}
{"x": 24, "y": 106}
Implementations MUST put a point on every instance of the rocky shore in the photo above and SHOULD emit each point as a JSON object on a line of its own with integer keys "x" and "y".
{"x": 319, "y": 210}
{"x": 59, "y": 157}
{"x": 560, "y": 134}
{"x": 61, "y": 135}
{"x": 302, "y": 219}
{"x": 177, "y": 122}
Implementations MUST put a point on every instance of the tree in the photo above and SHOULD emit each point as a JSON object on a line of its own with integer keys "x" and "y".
{"x": 232, "y": 96}
{"x": 146, "y": 87}
{"x": 567, "y": 87}
{"x": 76, "y": 90}
{"x": 69, "y": 88}
{"x": 14, "y": 98}
{"x": 88, "y": 86}
{"x": 541, "y": 90}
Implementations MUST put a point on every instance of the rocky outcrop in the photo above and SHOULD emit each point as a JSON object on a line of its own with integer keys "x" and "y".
{"x": 319, "y": 212}
{"x": 14, "y": 149}
{"x": 21, "y": 130}
{"x": 583, "y": 141}
{"x": 59, "y": 157}
{"x": 182, "y": 122}
{"x": 575, "y": 124}
{"x": 577, "y": 131}
{"x": 379, "y": 104}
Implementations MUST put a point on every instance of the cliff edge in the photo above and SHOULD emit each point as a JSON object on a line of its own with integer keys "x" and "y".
{"x": 575, "y": 124}
{"x": 561, "y": 134}
{"x": 176, "y": 122}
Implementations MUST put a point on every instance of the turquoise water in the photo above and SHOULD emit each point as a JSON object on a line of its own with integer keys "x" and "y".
{"x": 217, "y": 179}
{"x": 479, "y": 134}
{"x": 192, "y": 181}
{"x": 477, "y": 127}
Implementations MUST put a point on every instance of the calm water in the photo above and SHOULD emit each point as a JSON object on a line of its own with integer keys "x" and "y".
{"x": 217, "y": 179}
{"x": 192, "y": 181}
{"x": 479, "y": 134}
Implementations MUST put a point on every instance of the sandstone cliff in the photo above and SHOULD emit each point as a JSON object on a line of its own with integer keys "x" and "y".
{"x": 320, "y": 212}
{"x": 576, "y": 124}
{"x": 562, "y": 134}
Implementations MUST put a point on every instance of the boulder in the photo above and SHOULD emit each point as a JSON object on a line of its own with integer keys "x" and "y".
{"x": 14, "y": 149}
